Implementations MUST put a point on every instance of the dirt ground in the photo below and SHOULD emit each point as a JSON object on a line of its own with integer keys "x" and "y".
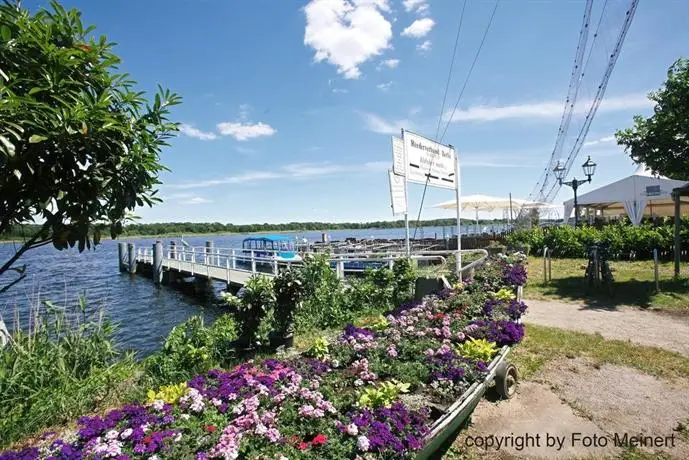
{"x": 577, "y": 409}
{"x": 639, "y": 326}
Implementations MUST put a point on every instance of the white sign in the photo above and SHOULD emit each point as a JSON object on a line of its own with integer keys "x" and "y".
{"x": 398, "y": 194}
{"x": 429, "y": 161}
{"x": 398, "y": 156}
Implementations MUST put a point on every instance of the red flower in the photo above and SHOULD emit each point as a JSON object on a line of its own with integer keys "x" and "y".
{"x": 210, "y": 428}
{"x": 147, "y": 439}
{"x": 294, "y": 439}
{"x": 319, "y": 440}
{"x": 303, "y": 445}
{"x": 440, "y": 315}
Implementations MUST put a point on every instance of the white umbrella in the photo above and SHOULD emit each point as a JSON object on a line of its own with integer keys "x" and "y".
{"x": 487, "y": 203}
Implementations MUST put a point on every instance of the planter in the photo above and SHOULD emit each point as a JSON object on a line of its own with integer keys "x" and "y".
{"x": 280, "y": 340}
{"x": 426, "y": 286}
{"x": 495, "y": 249}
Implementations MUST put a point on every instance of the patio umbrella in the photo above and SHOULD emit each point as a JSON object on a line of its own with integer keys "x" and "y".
{"x": 487, "y": 203}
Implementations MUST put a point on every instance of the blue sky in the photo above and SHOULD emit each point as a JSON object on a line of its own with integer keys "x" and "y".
{"x": 289, "y": 105}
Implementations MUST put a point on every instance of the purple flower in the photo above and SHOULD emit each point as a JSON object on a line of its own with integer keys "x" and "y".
{"x": 514, "y": 275}
{"x": 502, "y": 332}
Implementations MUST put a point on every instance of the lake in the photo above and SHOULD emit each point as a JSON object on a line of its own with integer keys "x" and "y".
{"x": 145, "y": 313}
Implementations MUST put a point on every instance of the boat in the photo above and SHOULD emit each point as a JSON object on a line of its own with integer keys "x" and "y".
{"x": 271, "y": 248}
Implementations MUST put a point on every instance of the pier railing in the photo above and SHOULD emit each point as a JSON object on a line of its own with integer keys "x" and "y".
{"x": 267, "y": 261}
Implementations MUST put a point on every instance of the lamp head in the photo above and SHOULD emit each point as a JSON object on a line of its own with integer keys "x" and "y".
{"x": 589, "y": 168}
{"x": 559, "y": 171}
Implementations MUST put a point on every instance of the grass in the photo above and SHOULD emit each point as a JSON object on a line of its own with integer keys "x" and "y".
{"x": 634, "y": 285}
{"x": 542, "y": 344}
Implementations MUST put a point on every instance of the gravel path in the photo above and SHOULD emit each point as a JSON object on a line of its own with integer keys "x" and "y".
{"x": 638, "y": 326}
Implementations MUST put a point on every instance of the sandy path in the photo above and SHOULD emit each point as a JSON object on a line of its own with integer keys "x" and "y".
{"x": 639, "y": 326}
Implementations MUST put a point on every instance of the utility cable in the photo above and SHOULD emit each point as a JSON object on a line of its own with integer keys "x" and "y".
{"x": 461, "y": 93}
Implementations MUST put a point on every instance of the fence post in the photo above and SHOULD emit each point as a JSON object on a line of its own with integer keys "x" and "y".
{"x": 340, "y": 269}
{"x": 122, "y": 256}
{"x": 157, "y": 262}
{"x": 655, "y": 269}
{"x": 253, "y": 262}
{"x": 173, "y": 250}
{"x": 131, "y": 249}
{"x": 545, "y": 271}
{"x": 234, "y": 260}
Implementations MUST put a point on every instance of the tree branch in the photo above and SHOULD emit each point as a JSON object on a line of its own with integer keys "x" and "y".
{"x": 5, "y": 288}
{"x": 27, "y": 245}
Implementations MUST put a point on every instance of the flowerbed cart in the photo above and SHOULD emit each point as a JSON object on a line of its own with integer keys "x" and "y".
{"x": 501, "y": 375}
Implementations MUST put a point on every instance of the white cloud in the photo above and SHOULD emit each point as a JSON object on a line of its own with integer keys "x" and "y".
{"x": 425, "y": 46}
{"x": 384, "y": 86}
{"x": 196, "y": 200}
{"x": 602, "y": 140}
{"x": 390, "y": 63}
{"x": 190, "y": 131}
{"x": 419, "y": 28}
{"x": 415, "y": 5}
{"x": 244, "y": 111}
{"x": 290, "y": 171}
{"x": 378, "y": 124}
{"x": 244, "y": 131}
{"x": 245, "y": 150}
{"x": 347, "y": 33}
{"x": 546, "y": 109}
{"x": 340, "y": 90}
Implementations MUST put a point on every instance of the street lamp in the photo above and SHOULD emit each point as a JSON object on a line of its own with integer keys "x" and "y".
{"x": 589, "y": 169}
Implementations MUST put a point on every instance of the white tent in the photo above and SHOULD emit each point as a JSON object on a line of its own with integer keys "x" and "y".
{"x": 640, "y": 194}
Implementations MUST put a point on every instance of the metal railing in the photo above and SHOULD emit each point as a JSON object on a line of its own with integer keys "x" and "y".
{"x": 247, "y": 260}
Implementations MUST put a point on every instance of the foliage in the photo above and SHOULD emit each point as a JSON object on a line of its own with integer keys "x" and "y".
{"x": 169, "y": 394}
{"x": 79, "y": 146}
{"x": 383, "y": 394}
{"x": 622, "y": 239}
{"x": 231, "y": 300}
{"x": 258, "y": 298}
{"x": 319, "y": 349}
{"x": 505, "y": 294}
{"x": 56, "y": 367}
{"x": 191, "y": 348}
{"x": 662, "y": 141}
{"x": 405, "y": 280}
{"x": 289, "y": 292}
{"x": 479, "y": 349}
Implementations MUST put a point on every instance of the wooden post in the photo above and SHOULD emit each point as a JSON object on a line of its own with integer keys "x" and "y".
{"x": 678, "y": 242}
{"x": 550, "y": 264}
{"x": 545, "y": 271}
{"x": 122, "y": 256}
{"x": 157, "y": 262}
{"x": 173, "y": 250}
{"x": 131, "y": 250}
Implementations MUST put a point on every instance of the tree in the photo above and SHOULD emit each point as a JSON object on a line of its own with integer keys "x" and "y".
{"x": 79, "y": 147}
{"x": 662, "y": 140}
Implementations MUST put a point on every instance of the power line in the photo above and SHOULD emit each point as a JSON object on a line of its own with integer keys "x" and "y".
{"x": 461, "y": 93}
{"x": 442, "y": 106}
{"x": 471, "y": 69}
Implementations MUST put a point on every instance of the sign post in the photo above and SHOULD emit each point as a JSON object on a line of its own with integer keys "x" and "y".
{"x": 399, "y": 162}
{"x": 458, "y": 195}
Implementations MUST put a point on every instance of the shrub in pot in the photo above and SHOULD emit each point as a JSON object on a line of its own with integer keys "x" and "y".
{"x": 257, "y": 298}
{"x": 289, "y": 290}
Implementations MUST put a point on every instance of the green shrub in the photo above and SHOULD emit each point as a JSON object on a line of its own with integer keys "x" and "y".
{"x": 404, "y": 272}
{"x": 258, "y": 298}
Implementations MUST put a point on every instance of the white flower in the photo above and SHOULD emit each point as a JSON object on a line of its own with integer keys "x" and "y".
{"x": 112, "y": 434}
{"x": 158, "y": 404}
{"x": 126, "y": 433}
{"x": 358, "y": 382}
{"x": 352, "y": 429}
{"x": 185, "y": 416}
{"x": 153, "y": 457}
{"x": 362, "y": 443}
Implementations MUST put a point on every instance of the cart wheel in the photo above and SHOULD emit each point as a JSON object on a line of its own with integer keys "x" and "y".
{"x": 506, "y": 381}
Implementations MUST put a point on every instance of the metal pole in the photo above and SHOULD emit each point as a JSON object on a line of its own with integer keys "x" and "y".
{"x": 545, "y": 272}
{"x": 576, "y": 204}
{"x": 550, "y": 265}
{"x": 406, "y": 228}
{"x": 131, "y": 249}
{"x": 157, "y": 262}
{"x": 122, "y": 256}
{"x": 655, "y": 269}
{"x": 511, "y": 209}
{"x": 678, "y": 240}
{"x": 208, "y": 257}
{"x": 458, "y": 261}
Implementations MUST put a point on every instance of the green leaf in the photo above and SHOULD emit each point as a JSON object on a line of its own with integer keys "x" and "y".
{"x": 35, "y": 139}
{"x": 33, "y": 91}
{"x": 5, "y": 33}
{"x": 7, "y": 146}
{"x": 18, "y": 174}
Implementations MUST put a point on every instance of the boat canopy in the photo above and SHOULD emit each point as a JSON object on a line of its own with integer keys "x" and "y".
{"x": 269, "y": 242}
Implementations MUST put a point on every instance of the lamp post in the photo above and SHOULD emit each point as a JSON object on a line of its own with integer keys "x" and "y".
{"x": 589, "y": 169}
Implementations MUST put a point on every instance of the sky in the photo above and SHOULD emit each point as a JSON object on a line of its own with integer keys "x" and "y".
{"x": 289, "y": 106}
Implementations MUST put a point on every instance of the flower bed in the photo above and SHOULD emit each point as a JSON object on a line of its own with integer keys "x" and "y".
{"x": 375, "y": 390}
